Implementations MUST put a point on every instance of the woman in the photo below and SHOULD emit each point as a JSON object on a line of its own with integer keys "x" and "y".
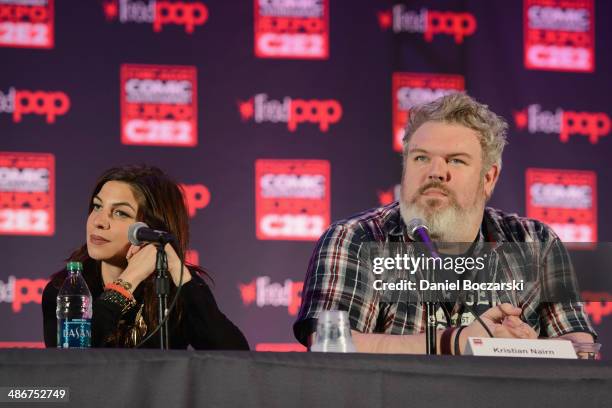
{"x": 121, "y": 276}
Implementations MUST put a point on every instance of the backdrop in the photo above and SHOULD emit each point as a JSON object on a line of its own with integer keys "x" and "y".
{"x": 281, "y": 116}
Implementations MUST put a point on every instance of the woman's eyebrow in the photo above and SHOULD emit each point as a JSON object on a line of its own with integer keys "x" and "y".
{"x": 118, "y": 204}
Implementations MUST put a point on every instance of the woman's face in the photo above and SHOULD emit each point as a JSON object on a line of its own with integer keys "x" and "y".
{"x": 114, "y": 209}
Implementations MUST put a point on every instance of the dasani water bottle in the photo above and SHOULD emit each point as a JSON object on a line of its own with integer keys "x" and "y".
{"x": 74, "y": 310}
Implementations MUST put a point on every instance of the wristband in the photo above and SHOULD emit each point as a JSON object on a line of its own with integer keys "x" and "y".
{"x": 120, "y": 289}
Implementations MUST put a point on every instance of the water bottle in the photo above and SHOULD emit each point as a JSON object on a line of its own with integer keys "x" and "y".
{"x": 74, "y": 310}
{"x": 333, "y": 333}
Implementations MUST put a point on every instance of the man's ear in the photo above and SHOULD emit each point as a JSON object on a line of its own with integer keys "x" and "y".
{"x": 490, "y": 179}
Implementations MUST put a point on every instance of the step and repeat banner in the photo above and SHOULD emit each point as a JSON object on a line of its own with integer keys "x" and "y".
{"x": 279, "y": 117}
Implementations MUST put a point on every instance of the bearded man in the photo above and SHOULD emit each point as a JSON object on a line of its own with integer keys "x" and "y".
{"x": 451, "y": 163}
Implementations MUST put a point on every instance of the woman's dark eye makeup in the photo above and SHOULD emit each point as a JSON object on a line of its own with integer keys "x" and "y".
{"x": 123, "y": 214}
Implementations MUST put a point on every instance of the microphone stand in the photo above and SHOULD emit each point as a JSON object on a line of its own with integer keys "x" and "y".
{"x": 162, "y": 288}
{"x": 430, "y": 306}
{"x": 430, "y": 328}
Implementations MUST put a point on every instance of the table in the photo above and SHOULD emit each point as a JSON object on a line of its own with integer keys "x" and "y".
{"x": 152, "y": 378}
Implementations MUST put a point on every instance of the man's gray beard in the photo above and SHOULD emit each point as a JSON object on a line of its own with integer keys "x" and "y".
{"x": 445, "y": 225}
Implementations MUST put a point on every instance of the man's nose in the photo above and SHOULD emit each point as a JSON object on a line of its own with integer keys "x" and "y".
{"x": 438, "y": 170}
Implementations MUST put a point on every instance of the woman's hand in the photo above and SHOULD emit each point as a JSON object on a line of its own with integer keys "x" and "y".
{"x": 141, "y": 264}
{"x": 174, "y": 265}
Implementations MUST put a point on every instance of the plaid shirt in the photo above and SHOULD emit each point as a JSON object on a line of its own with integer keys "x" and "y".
{"x": 336, "y": 279}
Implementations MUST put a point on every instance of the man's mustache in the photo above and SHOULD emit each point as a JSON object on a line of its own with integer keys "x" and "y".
{"x": 437, "y": 185}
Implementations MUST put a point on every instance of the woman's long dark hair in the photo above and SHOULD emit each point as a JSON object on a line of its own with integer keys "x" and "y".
{"x": 161, "y": 205}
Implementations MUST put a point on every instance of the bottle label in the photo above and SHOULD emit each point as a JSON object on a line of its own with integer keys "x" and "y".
{"x": 74, "y": 333}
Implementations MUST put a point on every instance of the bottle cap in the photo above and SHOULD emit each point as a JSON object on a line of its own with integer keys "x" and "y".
{"x": 74, "y": 266}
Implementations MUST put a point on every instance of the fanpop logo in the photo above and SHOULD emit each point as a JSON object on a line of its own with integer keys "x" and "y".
{"x": 21, "y": 291}
{"x": 21, "y": 102}
{"x": 197, "y": 197}
{"x": 293, "y": 112}
{"x": 158, "y": 13}
{"x": 264, "y": 293}
{"x": 388, "y": 196}
{"x": 428, "y": 22}
{"x": 597, "y": 305}
{"x": 565, "y": 123}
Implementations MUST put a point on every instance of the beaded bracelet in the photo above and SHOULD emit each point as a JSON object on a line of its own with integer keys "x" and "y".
{"x": 116, "y": 297}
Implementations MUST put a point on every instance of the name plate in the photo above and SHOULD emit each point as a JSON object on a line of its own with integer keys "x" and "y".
{"x": 532, "y": 348}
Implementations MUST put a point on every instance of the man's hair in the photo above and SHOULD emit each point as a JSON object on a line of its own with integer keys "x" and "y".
{"x": 461, "y": 109}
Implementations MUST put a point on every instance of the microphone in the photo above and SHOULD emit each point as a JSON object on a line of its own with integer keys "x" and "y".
{"x": 418, "y": 231}
{"x": 139, "y": 233}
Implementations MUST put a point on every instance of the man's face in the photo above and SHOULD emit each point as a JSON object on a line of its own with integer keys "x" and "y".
{"x": 443, "y": 182}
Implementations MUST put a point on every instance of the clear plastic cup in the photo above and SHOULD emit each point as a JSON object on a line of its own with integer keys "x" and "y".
{"x": 587, "y": 351}
{"x": 333, "y": 333}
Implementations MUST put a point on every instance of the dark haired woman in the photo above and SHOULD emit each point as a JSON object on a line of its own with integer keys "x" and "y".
{"x": 121, "y": 197}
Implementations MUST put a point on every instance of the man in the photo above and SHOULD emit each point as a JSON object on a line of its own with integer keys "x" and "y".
{"x": 452, "y": 161}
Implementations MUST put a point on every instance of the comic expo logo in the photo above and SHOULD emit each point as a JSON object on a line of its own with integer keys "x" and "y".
{"x": 559, "y": 35}
{"x": 293, "y": 112}
{"x": 292, "y": 29}
{"x": 292, "y": 199}
{"x": 534, "y": 119}
{"x": 430, "y": 23}
{"x": 26, "y": 23}
{"x": 159, "y": 105}
{"x": 263, "y": 293}
{"x": 21, "y": 291}
{"x": 27, "y": 194}
{"x": 21, "y": 102}
{"x": 410, "y": 89}
{"x": 158, "y": 13}
{"x": 566, "y": 200}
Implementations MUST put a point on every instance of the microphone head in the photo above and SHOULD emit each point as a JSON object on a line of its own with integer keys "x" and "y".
{"x": 133, "y": 233}
{"x": 413, "y": 225}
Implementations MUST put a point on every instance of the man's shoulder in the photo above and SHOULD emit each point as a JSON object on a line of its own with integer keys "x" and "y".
{"x": 373, "y": 224}
{"x": 513, "y": 227}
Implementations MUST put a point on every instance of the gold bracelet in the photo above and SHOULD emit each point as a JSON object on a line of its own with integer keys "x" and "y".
{"x": 125, "y": 285}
